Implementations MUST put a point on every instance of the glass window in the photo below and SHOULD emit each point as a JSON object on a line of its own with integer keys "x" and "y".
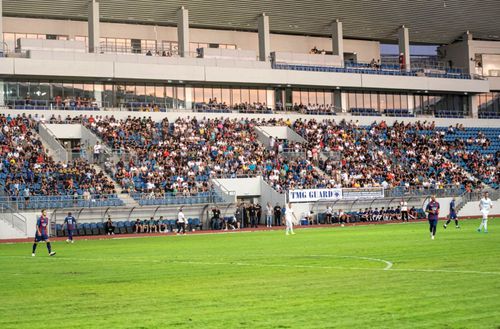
{"x": 374, "y": 101}
{"x": 404, "y": 101}
{"x": 245, "y": 95}
{"x": 169, "y": 97}
{"x": 367, "y": 101}
{"x": 254, "y": 96}
{"x": 24, "y": 90}
{"x": 107, "y": 95}
{"x": 182, "y": 97}
{"x": 140, "y": 91}
{"x": 198, "y": 95}
{"x": 295, "y": 97}
{"x": 226, "y": 96}
{"x": 88, "y": 90}
{"x": 160, "y": 95}
{"x": 397, "y": 101}
{"x": 130, "y": 95}
{"x": 12, "y": 90}
{"x": 216, "y": 94}
{"x": 328, "y": 98}
{"x": 150, "y": 94}
{"x": 304, "y": 97}
{"x": 207, "y": 94}
{"x": 390, "y": 101}
{"x": 120, "y": 94}
{"x": 262, "y": 96}
{"x": 236, "y": 96}
{"x": 382, "y": 99}
{"x": 351, "y": 100}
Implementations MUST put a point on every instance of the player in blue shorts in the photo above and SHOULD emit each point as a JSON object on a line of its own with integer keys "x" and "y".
{"x": 432, "y": 210}
{"x": 453, "y": 214}
{"x": 70, "y": 223}
{"x": 42, "y": 233}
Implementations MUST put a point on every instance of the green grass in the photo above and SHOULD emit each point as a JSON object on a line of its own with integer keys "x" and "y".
{"x": 260, "y": 280}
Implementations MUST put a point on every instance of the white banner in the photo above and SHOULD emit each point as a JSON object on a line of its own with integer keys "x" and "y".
{"x": 363, "y": 193}
{"x": 328, "y": 194}
{"x": 334, "y": 194}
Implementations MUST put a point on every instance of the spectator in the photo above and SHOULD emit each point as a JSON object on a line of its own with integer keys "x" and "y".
{"x": 138, "y": 226}
{"x": 269, "y": 215}
{"x": 277, "y": 215}
{"x": 109, "y": 227}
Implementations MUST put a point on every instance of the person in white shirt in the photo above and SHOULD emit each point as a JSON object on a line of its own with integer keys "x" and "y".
{"x": 97, "y": 152}
{"x": 269, "y": 215}
{"x": 328, "y": 215}
{"x": 404, "y": 210}
{"x": 181, "y": 222}
{"x": 485, "y": 204}
{"x": 289, "y": 216}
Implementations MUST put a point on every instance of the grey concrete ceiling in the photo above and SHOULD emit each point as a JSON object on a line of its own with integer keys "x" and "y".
{"x": 430, "y": 21}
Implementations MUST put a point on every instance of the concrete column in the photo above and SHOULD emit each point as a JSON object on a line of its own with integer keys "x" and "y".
{"x": 94, "y": 31}
{"x": 1, "y": 24}
{"x": 183, "y": 31}
{"x": 338, "y": 40}
{"x": 404, "y": 46}
{"x": 467, "y": 38}
{"x": 343, "y": 102}
{"x": 474, "y": 106}
{"x": 264, "y": 38}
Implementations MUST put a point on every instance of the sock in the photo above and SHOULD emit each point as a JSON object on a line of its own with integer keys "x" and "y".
{"x": 485, "y": 224}
{"x": 456, "y": 222}
{"x": 481, "y": 225}
{"x": 49, "y": 248}
{"x": 34, "y": 247}
{"x": 447, "y": 222}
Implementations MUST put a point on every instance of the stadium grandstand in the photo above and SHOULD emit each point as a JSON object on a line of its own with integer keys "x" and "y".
{"x": 139, "y": 111}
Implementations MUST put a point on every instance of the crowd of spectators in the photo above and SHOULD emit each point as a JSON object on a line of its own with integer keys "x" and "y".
{"x": 213, "y": 105}
{"x": 27, "y": 170}
{"x": 401, "y": 155}
{"x": 160, "y": 159}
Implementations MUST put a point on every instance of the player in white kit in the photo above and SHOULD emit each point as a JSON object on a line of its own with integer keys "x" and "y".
{"x": 289, "y": 216}
{"x": 485, "y": 204}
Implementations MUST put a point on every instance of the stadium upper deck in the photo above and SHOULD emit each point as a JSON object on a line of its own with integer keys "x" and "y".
{"x": 112, "y": 61}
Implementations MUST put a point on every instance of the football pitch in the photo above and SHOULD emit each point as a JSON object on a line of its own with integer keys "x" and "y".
{"x": 377, "y": 276}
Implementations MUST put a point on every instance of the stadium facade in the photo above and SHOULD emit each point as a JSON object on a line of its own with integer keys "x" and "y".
{"x": 238, "y": 56}
{"x": 170, "y": 59}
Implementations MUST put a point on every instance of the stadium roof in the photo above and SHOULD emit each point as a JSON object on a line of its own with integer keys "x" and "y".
{"x": 430, "y": 21}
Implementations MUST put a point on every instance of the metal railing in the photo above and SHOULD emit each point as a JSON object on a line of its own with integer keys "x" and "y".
{"x": 44, "y": 104}
{"x": 60, "y": 153}
{"x": 21, "y": 203}
{"x": 440, "y": 192}
{"x": 14, "y": 219}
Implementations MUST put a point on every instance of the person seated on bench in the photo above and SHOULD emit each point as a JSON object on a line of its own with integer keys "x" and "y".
{"x": 109, "y": 228}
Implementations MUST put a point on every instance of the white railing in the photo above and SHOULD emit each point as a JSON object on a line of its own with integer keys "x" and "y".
{"x": 14, "y": 219}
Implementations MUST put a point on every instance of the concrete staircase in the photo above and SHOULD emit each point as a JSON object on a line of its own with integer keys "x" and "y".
{"x": 125, "y": 197}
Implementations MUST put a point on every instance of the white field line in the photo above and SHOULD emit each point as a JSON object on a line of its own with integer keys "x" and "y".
{"x": 387, "y": 268}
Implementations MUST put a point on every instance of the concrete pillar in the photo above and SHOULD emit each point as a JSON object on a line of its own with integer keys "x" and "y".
{"x": 94, "y": 31}
{"x": 343, "y": 102}
{"x": 467, "y": 38}
{"x": 474, "y": 106}
{"x": 338, "y": 40}
{"x": 183, "y": 31}
{"x": 264, "y": 38}
{"x": 1, "y": 23}
{"x": 404, "y": 46}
